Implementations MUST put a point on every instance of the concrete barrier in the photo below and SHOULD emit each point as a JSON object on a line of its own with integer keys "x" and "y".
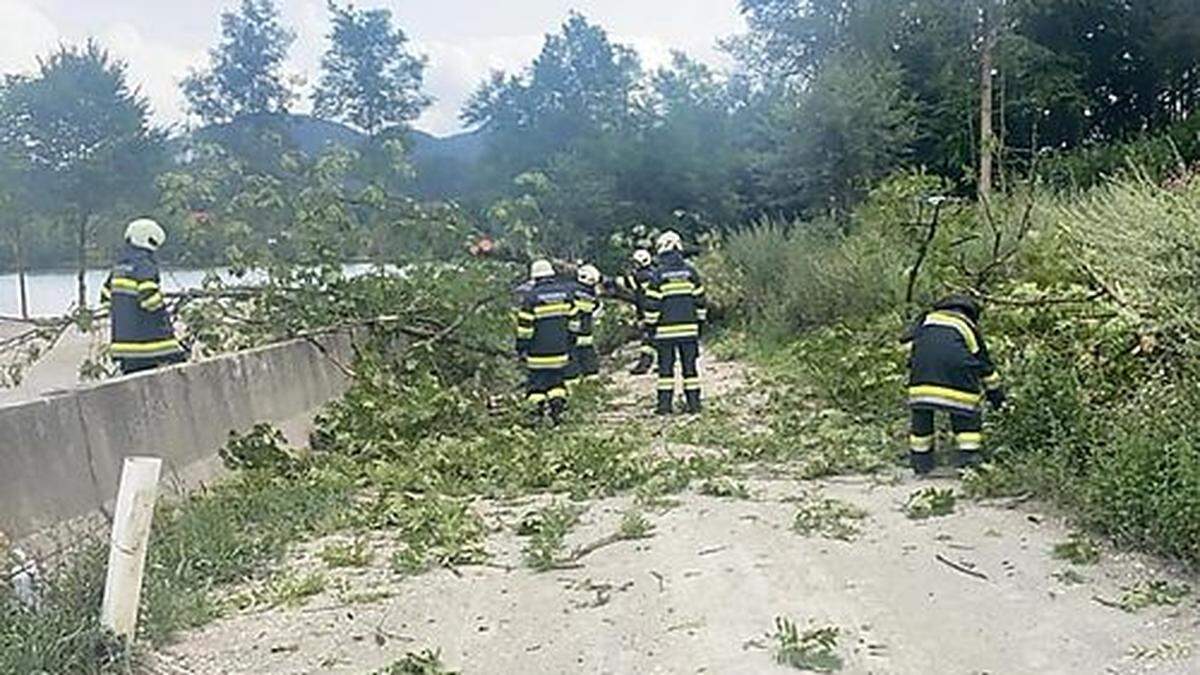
{"x": 61, "y": 457}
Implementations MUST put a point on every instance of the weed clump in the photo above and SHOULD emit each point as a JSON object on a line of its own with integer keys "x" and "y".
{"x": 814, "y": 649}
{"x": 930, "y": 502}
{"x": 1078, "y": 549}
{"x": 828, "y": 518}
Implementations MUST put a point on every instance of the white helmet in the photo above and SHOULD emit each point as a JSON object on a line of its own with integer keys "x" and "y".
{"x": 669, "y": 241}
{"x": 541, "y": 269}
{"x": 145, "y": 233}
{"x": 588, "y": 275}
{"x": 642, "y": 257}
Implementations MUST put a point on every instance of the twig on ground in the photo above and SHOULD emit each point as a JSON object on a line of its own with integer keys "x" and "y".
{"x": 960, "y": 568}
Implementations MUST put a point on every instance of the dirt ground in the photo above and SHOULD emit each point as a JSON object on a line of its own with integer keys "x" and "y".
{"x": 973, "y": 592}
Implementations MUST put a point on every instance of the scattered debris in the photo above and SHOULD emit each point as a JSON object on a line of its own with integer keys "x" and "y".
{"x": 965, "y": 569}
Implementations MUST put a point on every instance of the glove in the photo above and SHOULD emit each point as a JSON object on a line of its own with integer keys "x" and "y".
{"x": 997, "y": 398}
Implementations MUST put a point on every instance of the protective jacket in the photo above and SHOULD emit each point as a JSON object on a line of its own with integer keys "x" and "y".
{"x": 950, "y": 366}
{"x": 676, "y": 305}
{"x": 545, "y": 312}
{"x": 633, "y": 285}
{"x": 584, "y": 325}
{"x": 141, "y": 324}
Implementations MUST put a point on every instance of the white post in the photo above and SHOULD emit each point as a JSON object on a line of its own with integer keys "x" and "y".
{"x": 130, "y": 539}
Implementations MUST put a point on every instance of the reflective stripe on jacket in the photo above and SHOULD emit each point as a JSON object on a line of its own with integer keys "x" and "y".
{"x": 544, "y": 314}
{"x": 141, "y": 324}
{"x": 950, "y": 366}
{"x": 676, "y": 303}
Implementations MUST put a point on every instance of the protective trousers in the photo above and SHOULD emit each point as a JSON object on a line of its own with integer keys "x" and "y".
{"x": 687, "y": 352}
{"x": 585, "y": 364}
{"x": 547, "y": 391}
{"x": 968, "y": 438}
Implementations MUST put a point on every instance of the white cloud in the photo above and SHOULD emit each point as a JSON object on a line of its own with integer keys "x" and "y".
{"x": 27, "y": 33}
{"x": 455, "y": 71}
{"x": 155, "y": 67}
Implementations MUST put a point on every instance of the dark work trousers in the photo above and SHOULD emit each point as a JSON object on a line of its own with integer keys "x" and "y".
{"x": 585, "y": 363}
{"x": 547, "y": 391}
{"x": 686, "y": 352}
{"x": 968, "y": 437}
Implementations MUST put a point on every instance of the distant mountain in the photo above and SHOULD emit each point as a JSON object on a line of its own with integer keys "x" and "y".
{"x": 444, "y": 165}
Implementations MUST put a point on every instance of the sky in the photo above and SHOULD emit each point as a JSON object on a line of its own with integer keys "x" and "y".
{"x": 463, "y": 39}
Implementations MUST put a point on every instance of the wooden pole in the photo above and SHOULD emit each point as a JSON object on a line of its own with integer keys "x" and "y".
{"x": 130, "y": 539}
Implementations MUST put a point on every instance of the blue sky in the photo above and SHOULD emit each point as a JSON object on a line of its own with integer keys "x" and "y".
{"x": 464, "y": 39}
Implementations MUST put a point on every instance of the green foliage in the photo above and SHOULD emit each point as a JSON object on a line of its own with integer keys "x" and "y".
{"x": 263, "y": 447}
{"x": 435, "y": 532}
{"x": 547, "y": 531}
{"x": 244, "y": 76}
{"x": 828, "y": 518}
{"x": 1079, "y": 549}
{"x": 355, "y": 553}
{"x": 370, "y": 79}
{"x": 426, "y": 662}
{"x": 930, "y": 502}
{"x": 813, "y": 650}
{"x": 635, "y": 525}
{"x": 1151, "y": 594}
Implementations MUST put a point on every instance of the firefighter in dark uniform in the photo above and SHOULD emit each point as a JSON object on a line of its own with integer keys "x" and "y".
{"x": 143, "y": 337}
{"x": 952, "y": 371}
{"x": 544, "y": 314}
{"x": 585, "y": 363}
{"x": 633, "y": 286}
{"x": 676, "y": 309}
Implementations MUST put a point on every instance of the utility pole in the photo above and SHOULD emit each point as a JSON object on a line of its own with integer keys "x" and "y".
{"x": 987, "y": 135}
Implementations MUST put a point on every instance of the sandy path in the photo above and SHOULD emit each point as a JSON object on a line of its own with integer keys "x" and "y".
{"x": 56, "y": 371}
{"x": 703, "y": 592}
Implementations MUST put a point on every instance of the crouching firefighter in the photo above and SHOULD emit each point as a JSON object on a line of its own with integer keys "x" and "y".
{"x": 544, "y": 313}
{"x": 951, "y": 371}
{"x": 676, "y": 310}
{"x": 633, "y": 286}
{"x": 143, "y": 337}
{"x": 585, "y": 363}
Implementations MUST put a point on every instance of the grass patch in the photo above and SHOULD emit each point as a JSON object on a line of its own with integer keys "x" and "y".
{"x": 814, "y": 649}
{"x": 353, "y": 554}
{"x": 635, "y": 525}
{"x": 1078, "y": 549}
{"x": 426, "y": 662}
{"x": 1156, "y": 593}
{"x": 828, "y": 518}
{"x": 930, "y": 502}
{"x": 547, "y": 530}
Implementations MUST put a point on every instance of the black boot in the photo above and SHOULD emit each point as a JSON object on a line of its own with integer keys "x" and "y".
{"x": 666, "y": 403}
{"x": 643, "y": 366}
{"x": 923, "y": 463}
{"x": 968, "y": 459}
{"x": 558, "y": 408}
{"x": 693, "y": 402}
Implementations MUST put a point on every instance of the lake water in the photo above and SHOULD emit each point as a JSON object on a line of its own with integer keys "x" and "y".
{"x": 52, "y": 293}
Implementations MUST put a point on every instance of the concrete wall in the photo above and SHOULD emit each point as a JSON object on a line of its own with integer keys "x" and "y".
{"x": 61, "y": 457}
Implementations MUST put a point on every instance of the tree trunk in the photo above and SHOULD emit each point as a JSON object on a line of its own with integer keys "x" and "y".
{"x": 987, "y": 138}
{"x": 20, "y": 255}
{"x": 82, "y": 274}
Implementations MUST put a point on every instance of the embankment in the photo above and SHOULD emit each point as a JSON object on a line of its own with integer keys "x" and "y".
{"x": 61, "y": 456}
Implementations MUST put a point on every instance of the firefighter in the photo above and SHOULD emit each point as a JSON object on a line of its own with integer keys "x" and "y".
{"x": 545, "y": 310}
{"x": 676, "y": 309}
{"x": 951, "y": 371}
{"x": 143, "y": 337}
{"x": 633, "y": 286}
{"x": 585, "y": 363}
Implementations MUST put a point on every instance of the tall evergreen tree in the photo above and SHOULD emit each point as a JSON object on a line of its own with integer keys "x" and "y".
{"x": 245, "y": 75}
{"x": 370, "y": 79}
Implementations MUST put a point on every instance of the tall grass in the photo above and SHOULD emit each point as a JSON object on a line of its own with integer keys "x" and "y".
{"x": 1095, "y": 324}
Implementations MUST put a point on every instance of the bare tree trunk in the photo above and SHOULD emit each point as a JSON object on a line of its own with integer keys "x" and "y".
{"x": 20, "y": 254}
{"x": 82, "y": 273}
{"x": 987, "y": 138}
